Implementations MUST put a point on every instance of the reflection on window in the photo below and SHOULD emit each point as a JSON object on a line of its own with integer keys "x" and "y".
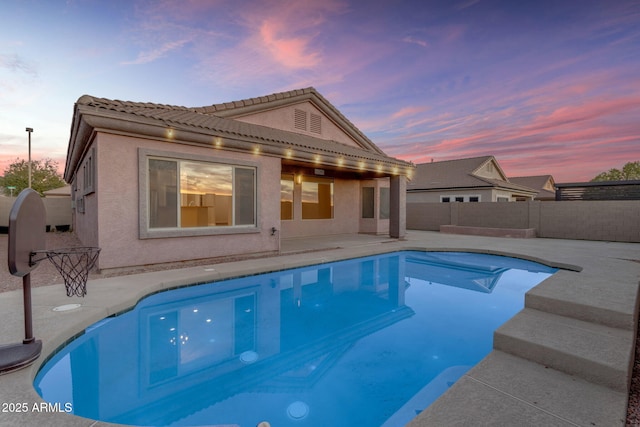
{"x": 210, "y": 194}
{"x": 317, "y": 198}
{"x": 384, "y": 203}
{"x": 286, "y": 196}
{"x": 198, "y": 335}
{"x": 163, "y": 190}
{"x": 368, "y": 201}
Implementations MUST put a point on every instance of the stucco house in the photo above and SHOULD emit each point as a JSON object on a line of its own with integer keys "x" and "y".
{"x": 545, "y": 185}
{"x": 476, "y": 179}
{"x": 156, "y": 183}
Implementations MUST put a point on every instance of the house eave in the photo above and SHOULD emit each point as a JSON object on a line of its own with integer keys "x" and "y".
{"x": 87, "y": 122}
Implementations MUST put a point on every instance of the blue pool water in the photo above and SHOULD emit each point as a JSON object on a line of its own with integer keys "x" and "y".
{"x": 363, "y": 342}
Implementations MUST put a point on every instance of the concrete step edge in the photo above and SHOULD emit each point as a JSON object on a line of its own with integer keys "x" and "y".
{"x": 596, "y": 353}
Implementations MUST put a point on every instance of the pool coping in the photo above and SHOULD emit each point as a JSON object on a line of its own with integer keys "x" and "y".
{"x": 506, "y": 387}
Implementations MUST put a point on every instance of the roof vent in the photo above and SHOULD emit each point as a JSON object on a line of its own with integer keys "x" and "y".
{"x": 300, "y": 119}
{"x": 315, "y": 123}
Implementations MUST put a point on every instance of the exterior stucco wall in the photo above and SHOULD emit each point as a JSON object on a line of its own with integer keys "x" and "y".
{"x": 346, "y": 213}
{"x": 283, "y": 118}
{"x": 115, "y": 210}
{"x": 86, "y": 210}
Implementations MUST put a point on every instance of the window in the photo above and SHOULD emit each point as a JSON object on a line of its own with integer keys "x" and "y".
{"x": 185, "y": 194}
{"x": 463, "y": 198}
{"x": 384, "y": 203}
{"x": 286, "y": 196}
{"x": 502, "y": 199}
{"x": 317, "y": 198}
{"x": 368, "y": 202}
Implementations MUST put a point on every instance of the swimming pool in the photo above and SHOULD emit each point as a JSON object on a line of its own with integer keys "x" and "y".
{"x": 369, "y": 341}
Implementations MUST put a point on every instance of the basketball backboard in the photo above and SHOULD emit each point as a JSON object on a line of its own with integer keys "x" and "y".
{"x": 27, "y": 227}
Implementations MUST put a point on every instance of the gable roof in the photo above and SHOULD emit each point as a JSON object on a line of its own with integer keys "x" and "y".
{"x": 460, "y": 173}
{"x": 238, "y": 109}
{"x": 202, "y": 125}
{"x": 538, "y": 183}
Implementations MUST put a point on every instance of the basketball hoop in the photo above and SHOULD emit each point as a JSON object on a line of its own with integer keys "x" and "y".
{"x": 73, "y": 264}
{"x": 27, "y": 225}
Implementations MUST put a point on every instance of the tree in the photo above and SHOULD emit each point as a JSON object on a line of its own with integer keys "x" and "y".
{"x": 630, "y": 171}
{"x": 44, "y": 176}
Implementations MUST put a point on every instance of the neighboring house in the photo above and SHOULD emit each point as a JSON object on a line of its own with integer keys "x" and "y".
{"x": 159, "y": 183}
{"x": 544, "y": 184}
{"x": 477, "y": 179}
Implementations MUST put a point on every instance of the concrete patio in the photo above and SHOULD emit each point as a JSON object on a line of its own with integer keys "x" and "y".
{"x": 565, "y": 360}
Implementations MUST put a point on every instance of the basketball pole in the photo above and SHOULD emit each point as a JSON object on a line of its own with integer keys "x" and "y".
{"x": 28, "y": 317}
{"x": 29, "y": 130}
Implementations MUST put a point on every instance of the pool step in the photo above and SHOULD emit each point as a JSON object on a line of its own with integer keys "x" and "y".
{"x": 597, "y": 353}
{"x": 592, "y": 299}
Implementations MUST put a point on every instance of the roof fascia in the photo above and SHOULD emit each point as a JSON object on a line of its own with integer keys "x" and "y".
{"x": 125, "y": 124}
{"x": 489, "y": 186}
{"x": 79, "y": 140}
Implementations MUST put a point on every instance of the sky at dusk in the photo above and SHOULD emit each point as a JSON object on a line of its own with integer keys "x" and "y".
{"x": 547, "y": 87}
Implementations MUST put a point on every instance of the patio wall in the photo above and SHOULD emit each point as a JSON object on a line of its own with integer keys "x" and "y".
{"x": 581, "y": 220}
{"x": 58, "y": 211}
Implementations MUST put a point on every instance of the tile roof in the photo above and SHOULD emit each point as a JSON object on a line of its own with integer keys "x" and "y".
{"x": 210, "y": 122}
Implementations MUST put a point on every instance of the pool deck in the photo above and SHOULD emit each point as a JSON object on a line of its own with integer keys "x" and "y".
{"x": 565, "y": 360}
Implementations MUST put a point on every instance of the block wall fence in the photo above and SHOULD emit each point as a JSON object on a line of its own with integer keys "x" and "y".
{"x": 58, "y": 211}
{"x": 617, "y": 221}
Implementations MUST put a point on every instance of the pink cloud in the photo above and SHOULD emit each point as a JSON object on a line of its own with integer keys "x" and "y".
{"x": 288, "y": 51}
{"x": 157, "y": 52}
{"x": 409, "y": 111}
{"x": 414, "y": 40}
{"x": 573, "y": 127}
{"x": 288, "y": 31}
